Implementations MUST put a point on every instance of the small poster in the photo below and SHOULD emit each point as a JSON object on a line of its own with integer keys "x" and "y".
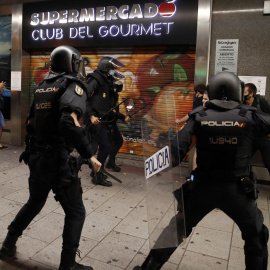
{"x": 259, "y": 81}
{"x": 16, "y": 77}
{"x": 226, "y": 55}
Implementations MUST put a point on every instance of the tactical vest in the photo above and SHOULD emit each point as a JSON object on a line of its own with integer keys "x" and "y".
{"x": 47, "y": 109}
{"x": 224, "y": 142}
{"x": 100, "y": 102}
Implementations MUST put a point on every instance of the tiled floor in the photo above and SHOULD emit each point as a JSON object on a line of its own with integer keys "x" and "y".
{"x": 115, "y": 233}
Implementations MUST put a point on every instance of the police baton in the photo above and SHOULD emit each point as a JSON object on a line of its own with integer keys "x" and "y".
{"x": 100, "y": 118}
{"x": 131, "y": 115}
{"x": 87, "y": 126}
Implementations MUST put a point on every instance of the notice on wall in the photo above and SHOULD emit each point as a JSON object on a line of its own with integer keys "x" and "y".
{"x": 16, "y": 81}
{"x": 226, "y": 55}
{"x": 259, "y": 81}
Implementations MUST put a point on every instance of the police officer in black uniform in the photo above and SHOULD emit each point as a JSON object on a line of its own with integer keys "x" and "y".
{"x": 261, "y": 142}
{"x": 53, "y": 132}
{"x": 116, "y": 136}
{"x": 224, "y": 130}
{"x": 100, "y": 117}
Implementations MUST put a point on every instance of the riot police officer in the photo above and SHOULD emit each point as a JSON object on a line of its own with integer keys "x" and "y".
{"x": 261, "y": 142}
{"x": 116, "y": 136}
{"x": 53, "y": 132}
{"x": 224, "y": 130}
{"x": 101, "y": 118}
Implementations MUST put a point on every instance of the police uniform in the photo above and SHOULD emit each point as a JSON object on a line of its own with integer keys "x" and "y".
{"x": 116, "y": 136}
{"x": 262, "y": 142}
{"x": 99, "y": 104}
{"x": 105, "y": 135}
{"x": 51, "y": 166}
{"x": 224, "y": 132}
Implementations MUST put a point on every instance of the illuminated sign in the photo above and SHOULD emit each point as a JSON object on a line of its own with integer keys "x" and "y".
{"x": 89, "y": 24}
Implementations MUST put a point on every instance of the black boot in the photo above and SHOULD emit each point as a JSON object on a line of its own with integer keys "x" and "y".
{"x": 150, "y": 264}
{"x": 105, "y": 176}
{"x": 76, "y": 266}
{"x": 156, "y": 259}
{"x": 68, "y": 262}
{"x": 8, "y": 248}
{"x": 111, "y": 165}
{"x": 98, "y": 179}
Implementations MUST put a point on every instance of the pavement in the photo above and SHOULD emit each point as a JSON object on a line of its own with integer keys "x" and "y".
{"x": 115, "y": 233}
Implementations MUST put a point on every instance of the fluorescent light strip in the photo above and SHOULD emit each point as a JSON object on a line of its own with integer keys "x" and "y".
{"x": 238, "y": 11}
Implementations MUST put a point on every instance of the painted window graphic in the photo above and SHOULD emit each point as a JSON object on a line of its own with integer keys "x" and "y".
{"x": 150, "y": 74}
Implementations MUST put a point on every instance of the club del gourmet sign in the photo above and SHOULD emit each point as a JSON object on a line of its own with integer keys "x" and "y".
{"x": 91, "y": 24}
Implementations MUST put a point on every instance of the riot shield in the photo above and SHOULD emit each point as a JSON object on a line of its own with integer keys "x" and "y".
{"x": 162, "y": 182}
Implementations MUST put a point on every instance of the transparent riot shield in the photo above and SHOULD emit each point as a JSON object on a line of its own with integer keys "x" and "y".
{"x": 162, "y": 181}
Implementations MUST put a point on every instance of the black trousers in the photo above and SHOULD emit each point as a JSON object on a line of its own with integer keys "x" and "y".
{"x": 107, "y": 139}
{"x": 234, "y": 202}
{"x": 263, "y": 144}
{"x": 51, "y": 171}
{"x": 117, "y": 141}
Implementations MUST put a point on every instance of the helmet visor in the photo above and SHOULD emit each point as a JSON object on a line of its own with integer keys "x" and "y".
{"x": 81, "y": 72}
{"x": 117, "y": 75}
{"x": 116, "y": 63}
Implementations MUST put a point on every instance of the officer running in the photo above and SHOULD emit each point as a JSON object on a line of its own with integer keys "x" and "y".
{"x": 53, "y": 132}
{"x": 100, "y": 117}
{"x": 224, "y": 130}
{"x": 116, "y": 136}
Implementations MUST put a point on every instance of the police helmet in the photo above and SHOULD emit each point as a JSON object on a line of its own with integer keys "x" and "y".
{"x": 225, "y": 86}
{"x": 108, "y": 63}
{"x": 66, "y": 59}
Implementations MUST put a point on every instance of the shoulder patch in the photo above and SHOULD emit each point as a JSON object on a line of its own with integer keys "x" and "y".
{"x": 78, "y": 90}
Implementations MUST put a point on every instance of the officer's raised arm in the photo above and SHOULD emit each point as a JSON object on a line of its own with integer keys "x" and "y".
{"x": 182, "y": 141}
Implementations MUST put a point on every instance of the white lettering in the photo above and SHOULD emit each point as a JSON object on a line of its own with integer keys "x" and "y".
{"x": 123, "y": 12}
{"x": 87, "y": 15}
{"x": 150, "y": 10}
{"x": 103, "y": 31}
{"x": 222, "y": 124}
{"x": 54, "y": 16}
{"x": 44, "y": 18}
{"x": 100, "y": 16}
{"x": 136, "y": 12}
{"x": 156, "y": 29}
{"x": 108, "y": 13}
{"x": 111, "y": 13}
{"x": 73, "y": 16}
{"x": 34, "y": 19}
{"x": 44, "y": 34}
{"x": 63, "y": 15}
{"x": 114, "y": 30}
{"x": 47, "y": 90}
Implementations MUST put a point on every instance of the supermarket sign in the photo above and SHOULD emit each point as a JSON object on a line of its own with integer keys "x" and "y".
{"x": 84, "y": 24}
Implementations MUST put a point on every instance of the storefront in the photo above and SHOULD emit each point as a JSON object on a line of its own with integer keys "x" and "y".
{"x": 163, "y": 45}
